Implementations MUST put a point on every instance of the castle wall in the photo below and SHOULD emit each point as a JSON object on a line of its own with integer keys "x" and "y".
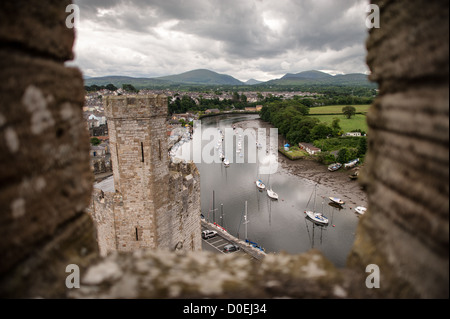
{"x": 137, "y": 132}
{"x": 181, "y": 227}
{"x": 102, "y": 208}
{"x": 153, "y": 206}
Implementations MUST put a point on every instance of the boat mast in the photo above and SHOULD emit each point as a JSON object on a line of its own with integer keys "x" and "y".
{"x": 315, "y": 195}
{"x": 221, "y": 215}
{"x": 246, "y": 221}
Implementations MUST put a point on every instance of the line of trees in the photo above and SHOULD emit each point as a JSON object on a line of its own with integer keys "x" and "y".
{"x": 292, "y": 120}
{"x": 111, "y": 87}
{"x": 238, "y": 101}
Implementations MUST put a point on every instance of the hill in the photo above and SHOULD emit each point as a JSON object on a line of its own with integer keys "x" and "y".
{"x": 118, "y": 81}
{"x": 253, "y": 82}
{"x": 312, "y": 81}
{"x": 309, "y": 75}
{"x": 202, "y": 76}
{"x": 321, "y": 78}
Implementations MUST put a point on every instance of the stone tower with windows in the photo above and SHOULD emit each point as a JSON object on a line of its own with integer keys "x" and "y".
{"x": 153, "y": 206}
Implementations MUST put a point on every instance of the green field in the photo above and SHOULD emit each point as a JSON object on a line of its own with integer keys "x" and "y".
{"x": 348, "y": 125}
{"x": 325, "y": 115}
{"x": 337, "y": 109}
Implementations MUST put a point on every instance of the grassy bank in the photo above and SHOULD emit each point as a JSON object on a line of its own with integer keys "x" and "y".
{"x": 294, "y": 153}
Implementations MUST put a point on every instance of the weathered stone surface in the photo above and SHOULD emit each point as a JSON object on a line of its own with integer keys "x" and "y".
{"x": 159, "y": 274}
{"x": 37, "y": 27}
{"x": 406, "y": 229}
{"x": 45, "y": 180}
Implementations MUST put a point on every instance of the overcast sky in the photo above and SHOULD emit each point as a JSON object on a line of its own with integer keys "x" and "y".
{"x": 260, "y": 39}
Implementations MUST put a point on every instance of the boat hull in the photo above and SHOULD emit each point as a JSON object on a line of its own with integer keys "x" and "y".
{"x": 317, "y": 218}
{"x": 337, "y": 200}
{"x": 272, "y": 194}
{"x": 260, "y": 185}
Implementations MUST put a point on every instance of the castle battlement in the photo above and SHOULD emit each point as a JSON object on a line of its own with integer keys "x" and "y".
{"x": 136, "y": 106}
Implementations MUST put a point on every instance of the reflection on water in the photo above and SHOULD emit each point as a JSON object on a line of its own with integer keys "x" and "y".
{"x": 276, "y": 225}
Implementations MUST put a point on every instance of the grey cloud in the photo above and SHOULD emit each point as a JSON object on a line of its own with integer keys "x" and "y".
{"x": 238, "y": 27}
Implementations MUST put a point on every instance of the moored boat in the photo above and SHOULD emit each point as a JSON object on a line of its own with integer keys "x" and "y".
{"x": 317, "y": 217}
{"x": 361, "y": 210}
{"x": 272, "y": 194}
{"x": 334, "y": 167}
{"x": 260, "y": 184}
{"x": 337, "y": 200}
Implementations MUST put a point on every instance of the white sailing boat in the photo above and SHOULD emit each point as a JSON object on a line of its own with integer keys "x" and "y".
{"x": 313, "y": 215}
{"x": 272, "y": 194}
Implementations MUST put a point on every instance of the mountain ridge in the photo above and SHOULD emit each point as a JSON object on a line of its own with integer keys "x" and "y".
{"x": 205, "y": 77}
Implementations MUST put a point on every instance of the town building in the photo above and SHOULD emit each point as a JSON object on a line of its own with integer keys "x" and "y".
{"x": 311, "y": 149}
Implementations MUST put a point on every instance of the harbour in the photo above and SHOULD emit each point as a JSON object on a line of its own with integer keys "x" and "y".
{"x": 277, "y": 225}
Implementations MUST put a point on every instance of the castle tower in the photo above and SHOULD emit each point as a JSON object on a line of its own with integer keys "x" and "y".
{"x": 138, "y": 142}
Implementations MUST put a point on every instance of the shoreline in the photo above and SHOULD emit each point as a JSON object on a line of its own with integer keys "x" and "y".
{"x": 338, "y": 182}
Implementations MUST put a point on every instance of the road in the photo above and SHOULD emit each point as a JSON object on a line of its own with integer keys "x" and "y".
{"x": 217, "y": 243}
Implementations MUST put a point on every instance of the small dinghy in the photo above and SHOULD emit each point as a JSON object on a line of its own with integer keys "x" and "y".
{"x": 361, "y": 210}
{"x": 337, "y": 200}
{"x": 260, "y": 184}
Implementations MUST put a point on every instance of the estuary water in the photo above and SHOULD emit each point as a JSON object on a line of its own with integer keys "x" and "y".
{"x": 276, "y": 225}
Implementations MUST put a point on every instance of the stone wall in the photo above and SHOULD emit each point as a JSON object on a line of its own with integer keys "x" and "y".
{"x": 102, "y": 209}
{"x": 138, "y": 144}
{"x": 45, "y": 179}
{"x": 407, "y": 227}
{"x": 178, "y": 228}
{"x": 181, "y": 226}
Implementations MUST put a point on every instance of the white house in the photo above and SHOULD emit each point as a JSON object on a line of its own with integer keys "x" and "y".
{"x": 354, "y": 134}
{"x": 311, "y": 149}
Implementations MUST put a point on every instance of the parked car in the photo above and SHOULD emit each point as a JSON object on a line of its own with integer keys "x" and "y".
{"x": 230, "y": 248}
{"x": 206, "y": 234}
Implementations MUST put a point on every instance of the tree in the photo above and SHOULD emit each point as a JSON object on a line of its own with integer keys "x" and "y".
{"x": 362, "y": 147}
{"x": 349, "y": 111}
{"x": 95, "y": 141}
{"x": 320, "y": 131}
{"x": 335, "y": 124}
{"x": 343, "y": 155}
{"x": 111, "y": 87}
{"x": 294, "y": 137}
{"x": 129, "y": 88}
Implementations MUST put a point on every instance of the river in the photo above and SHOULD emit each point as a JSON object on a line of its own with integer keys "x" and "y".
{"x": 275, "y": 225}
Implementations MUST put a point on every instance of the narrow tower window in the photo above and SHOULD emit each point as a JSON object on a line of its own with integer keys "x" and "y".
{"x": 160, "y": 155}
{"x": 142, "y": 152}
{"x": 137, "y": 234}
